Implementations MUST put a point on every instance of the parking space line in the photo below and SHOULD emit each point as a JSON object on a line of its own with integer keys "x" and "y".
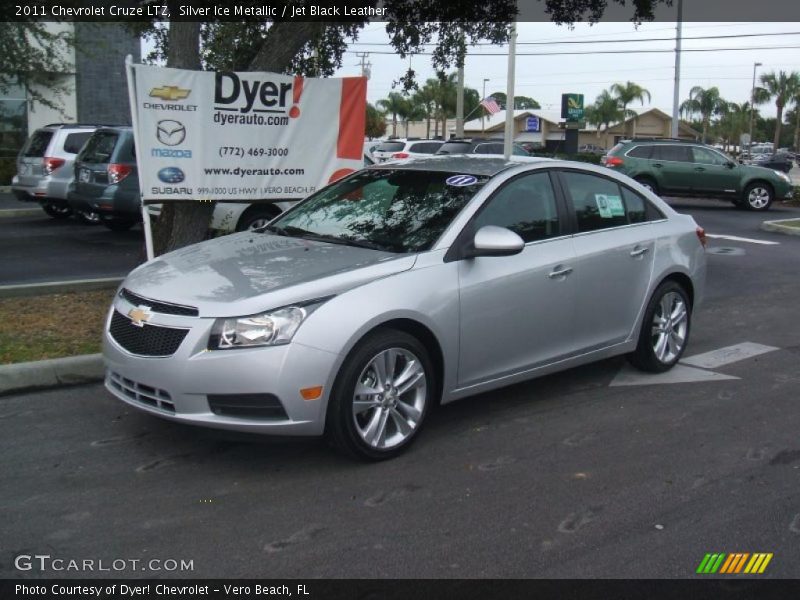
{"x": 727, "y": 355}
{"x": 736, "y": 238}
{"x": 629, "y": 376}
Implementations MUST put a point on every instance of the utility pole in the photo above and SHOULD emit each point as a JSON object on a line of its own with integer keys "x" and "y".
{"x": 677, "y": 86}
{"x": 752, "y": 106}
{"x": 366, "y": 67}
{"x": 460, "y": 103}
{"x": 512, "y": 56}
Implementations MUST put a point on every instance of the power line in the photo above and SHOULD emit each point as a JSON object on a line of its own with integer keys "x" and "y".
{"x": 592, "y": 52}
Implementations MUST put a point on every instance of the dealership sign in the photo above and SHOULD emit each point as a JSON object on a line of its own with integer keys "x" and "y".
{"x": 202, "y": 135}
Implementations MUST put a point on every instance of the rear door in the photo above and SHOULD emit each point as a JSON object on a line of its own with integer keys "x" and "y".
{"x": 614, "y": 247}
{"x": 30, "y": 166}
{"x": 672, "y": 167}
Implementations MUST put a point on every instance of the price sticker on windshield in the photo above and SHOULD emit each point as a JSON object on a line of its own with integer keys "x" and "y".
{"x": 461, "y": 180}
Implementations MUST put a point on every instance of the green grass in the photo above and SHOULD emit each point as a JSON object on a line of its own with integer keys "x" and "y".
{"x": 795, "y": 223}
{"x": 52, "y": 325}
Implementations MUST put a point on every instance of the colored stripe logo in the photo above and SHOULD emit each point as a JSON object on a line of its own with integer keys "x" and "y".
{"x": 734, "y": 563}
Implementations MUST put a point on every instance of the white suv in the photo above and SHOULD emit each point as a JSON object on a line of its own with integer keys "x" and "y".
{"x": 405, "y": 148}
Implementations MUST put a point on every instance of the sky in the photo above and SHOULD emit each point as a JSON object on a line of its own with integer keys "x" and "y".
{"x": 545, "y": 78}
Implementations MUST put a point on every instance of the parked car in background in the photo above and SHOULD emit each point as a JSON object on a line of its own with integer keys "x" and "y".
{"x": 591, "y": 149}
{"x": 369, "y": 148}
{"x": 45, "y": 169}
{"x": 479, "y": 146}
{"x": 684, "y": 168}
{"x": 401, "y": 286}
{"x": 781, "y": 161}
{"x": 405, "y": 148}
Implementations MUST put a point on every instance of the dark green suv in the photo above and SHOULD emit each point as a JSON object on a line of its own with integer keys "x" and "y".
{"x": 681, "y": 168}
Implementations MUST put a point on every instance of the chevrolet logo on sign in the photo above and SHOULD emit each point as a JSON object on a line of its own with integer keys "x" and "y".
{"x": 169, "y": 92}
{"x": 140, "y": 315}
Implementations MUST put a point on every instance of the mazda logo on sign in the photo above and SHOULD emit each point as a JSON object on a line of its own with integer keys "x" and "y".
{"x": 170, "y": 132}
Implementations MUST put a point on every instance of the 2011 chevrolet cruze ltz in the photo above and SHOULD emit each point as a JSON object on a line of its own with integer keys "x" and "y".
{"x": 402, "y": 286}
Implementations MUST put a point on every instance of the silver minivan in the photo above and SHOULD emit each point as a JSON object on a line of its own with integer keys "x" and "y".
{"x": 402, "y": 286}
{"x": 45, "y": 168}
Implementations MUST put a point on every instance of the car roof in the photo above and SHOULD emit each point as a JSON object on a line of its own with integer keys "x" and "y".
{"x": 470, "y": 164}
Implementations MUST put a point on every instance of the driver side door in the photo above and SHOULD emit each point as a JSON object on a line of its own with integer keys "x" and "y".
{"x": 517, "y": 311}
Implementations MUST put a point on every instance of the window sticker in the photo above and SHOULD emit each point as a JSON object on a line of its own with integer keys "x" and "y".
{"x": 609, "y": 206}
{"x": 461, "y": 180}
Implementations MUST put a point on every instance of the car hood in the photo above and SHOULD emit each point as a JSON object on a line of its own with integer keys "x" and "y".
{"x": 250, "y": 272}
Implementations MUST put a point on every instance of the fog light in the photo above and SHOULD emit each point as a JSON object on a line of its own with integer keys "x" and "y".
{"x": 311, "y": 393}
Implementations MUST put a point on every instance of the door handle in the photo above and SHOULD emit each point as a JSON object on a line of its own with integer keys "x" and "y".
{"x": 559, "y": 272}
{"x": 637, "y": 252}
{"x": 657, "y": 165}
{"x": 699, "y": 169}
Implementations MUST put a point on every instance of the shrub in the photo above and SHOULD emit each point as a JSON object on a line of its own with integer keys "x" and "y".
{"x": 8, "y": 168}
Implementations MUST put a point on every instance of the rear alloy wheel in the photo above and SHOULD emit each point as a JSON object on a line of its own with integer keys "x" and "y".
{"x": 648, "y": 183}
{"x": 57, "y": 211}
{"x": 758, "y": 196}
{"x": 381, "y": 397}
{"x": 88, "y": 217}
{"x": 665, "y": 329}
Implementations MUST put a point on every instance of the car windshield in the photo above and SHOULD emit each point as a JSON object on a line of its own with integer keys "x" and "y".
{"x": 391, "y": 210}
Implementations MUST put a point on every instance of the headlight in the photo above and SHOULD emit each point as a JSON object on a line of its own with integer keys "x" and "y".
{"x": 783, "y": 176}
{"x": 272, "y": 328}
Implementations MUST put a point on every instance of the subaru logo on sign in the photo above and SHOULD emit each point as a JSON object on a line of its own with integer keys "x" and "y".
{"x": 171, "y": 175}
{"x": 532, "y": 124}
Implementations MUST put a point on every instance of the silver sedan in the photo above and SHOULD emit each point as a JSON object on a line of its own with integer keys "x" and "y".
{"x": 402, "y": 286}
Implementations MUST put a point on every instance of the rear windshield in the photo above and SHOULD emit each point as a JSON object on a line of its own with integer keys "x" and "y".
{"x": 454, "y": 148}
{"x": 37, "y": 145}
{"x": 390, "y": 147}
{"x": 100, "y": 147}
{"x": 75, "y": 141}
{"x": 425, "y": 147}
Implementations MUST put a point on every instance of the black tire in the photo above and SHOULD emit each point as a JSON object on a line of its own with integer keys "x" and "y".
{"x": 758, "y": 196}
{"x": 649, "y": 183}
{"x": 341, "y": 429}
{"x": 118, "y": 224}
{"x": 258, "y": 214}
{"x": 645, "y": 356}
{"x": 57, "y": 211}
{"x": 88, "y": 217}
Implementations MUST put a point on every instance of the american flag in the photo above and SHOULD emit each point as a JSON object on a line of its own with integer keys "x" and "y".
{"x": 490, "y": 105}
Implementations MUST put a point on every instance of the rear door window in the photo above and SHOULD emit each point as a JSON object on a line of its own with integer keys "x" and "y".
{"x": 100, "y": 147}
{"x": 75, "y": 141}
{"x": 641, "y": 152}
{"x": 672, "y": 153}
{"x": 453, "y": 148}
{"x": 37, "y": 144}
{"x": 425, "y": 147}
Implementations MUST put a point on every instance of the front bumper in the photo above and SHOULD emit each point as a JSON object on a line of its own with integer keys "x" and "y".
{"x": 178, "y": 387}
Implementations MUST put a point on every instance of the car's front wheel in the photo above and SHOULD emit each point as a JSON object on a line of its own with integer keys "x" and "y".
{"x": 648, "y": 183}
{"x": 665, "y": 329}
{"x": 381, "y": 396}
{"x": 88, "y": 217}
{"x": 257, "y": 216}
{"x": 758, "y": 196}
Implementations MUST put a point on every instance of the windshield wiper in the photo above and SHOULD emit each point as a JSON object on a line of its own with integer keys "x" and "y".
{"x": 292, "y": 231}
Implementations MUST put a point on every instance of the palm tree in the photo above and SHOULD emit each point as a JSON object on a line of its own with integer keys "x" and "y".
{"x": 783, "y": 87}
{"x": 797, "y": 122}
{"x": 627, "y": 93}
{"x": 704, "y": 102}
{"x": 425, "y": 100}
{"x": 394, "y": 104}
{"x": 605, "y": 110}
{"x": 734, "y": 121}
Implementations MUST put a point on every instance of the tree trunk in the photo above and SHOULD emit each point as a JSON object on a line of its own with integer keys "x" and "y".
{"x": 797, "y": 126}
{"x": 705, "y": 129}
{"x": 284, "y": 41}
{"x": 182, "y": 222}
{"x": 394, "y": 125}
{"x": 778, "y": 122}
{"x": 428, "y": 131}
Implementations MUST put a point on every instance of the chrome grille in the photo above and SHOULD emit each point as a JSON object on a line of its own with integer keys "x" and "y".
{"x": 148, "y": 340}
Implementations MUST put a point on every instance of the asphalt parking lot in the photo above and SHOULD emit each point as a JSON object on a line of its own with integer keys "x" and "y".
{"x": 595, "y": 472}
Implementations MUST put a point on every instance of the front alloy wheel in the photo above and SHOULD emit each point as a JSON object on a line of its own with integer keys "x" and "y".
{"x": 758, "y": 196}
{"x": 381, "y": 396}
{"x": 665, "y": 329}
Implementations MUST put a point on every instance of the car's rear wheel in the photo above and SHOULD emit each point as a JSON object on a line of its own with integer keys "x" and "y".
{"x": 758, "y": 196}
{"x": 88, "y": 217}
{"x": 57, "y": 211}
{"x": 118, "y": 224}
{"x": 381, "y": 396}
{"x": 648, "y": 183}
{"x": 665, "y": 329}
{"x": 257, "y": 216}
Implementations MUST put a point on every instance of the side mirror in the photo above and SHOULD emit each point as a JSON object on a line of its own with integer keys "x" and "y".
{"x": 730, "y": 164}
{"x": 491, "y": 240}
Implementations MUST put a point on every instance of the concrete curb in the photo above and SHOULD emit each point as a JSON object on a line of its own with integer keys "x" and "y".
{"x": 5, "y": 189}
{"x": 8, "y": 213}
{"x": 775, "y": 226}
{"x": 21, "y": 377}
{"x": 59, "y": 287}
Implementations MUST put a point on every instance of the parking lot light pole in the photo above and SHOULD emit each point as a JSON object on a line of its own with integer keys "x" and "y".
{"x": 752, "y": 106}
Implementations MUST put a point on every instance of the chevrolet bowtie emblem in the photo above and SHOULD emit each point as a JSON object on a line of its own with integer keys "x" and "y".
{"x": 169, "y": 92}
{"x": 140, "y": 315}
